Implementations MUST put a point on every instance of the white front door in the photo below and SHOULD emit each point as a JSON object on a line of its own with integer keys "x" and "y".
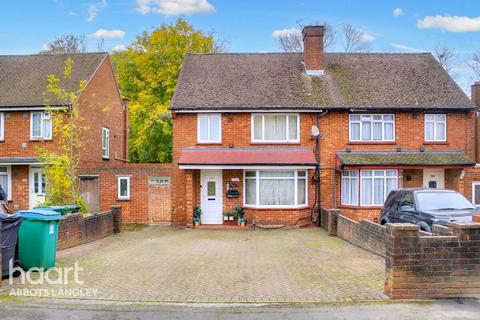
{"x": 37, "y": 187}
{"x": 211, "y": 196}
{"x": 434, "y": 178}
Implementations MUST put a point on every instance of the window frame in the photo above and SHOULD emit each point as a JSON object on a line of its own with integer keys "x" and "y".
{"x": 383, "y": 122}
{"x": 42, "y": 120}
{"x": 474, "y": 183}
{"x": 287, "y": 133}
{"x": 8, "y": 173}
{"x": 257, "y": 188}
{"x": 435, "y": 127}
{"x": 119, "y": 195}
{"x": 357, "y": 178}
{"x": 105, "y": 146}
{"x": 359, "y": 203}
{"x": 208, "y": 116}
{"x": 2, "y": 126}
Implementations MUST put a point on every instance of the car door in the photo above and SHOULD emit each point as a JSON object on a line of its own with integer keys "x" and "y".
{"x": 406, "y": 208}
{"x": 391, "y": 205}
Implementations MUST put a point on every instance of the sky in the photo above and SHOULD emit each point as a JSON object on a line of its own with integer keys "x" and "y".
{"x": 249, "y": 25}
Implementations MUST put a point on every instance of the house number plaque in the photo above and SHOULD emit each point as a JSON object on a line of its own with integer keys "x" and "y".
{"x": 159, "y": 180}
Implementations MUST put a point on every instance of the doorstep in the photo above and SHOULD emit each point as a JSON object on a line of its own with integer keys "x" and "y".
{"x": 222, "y": 227}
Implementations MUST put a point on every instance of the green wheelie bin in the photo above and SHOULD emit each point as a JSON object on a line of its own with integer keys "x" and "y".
{"x": 37, "y": 238}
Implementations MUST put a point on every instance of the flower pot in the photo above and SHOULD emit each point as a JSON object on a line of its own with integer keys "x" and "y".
{"x": 242, "y": 224}
{"x": 225, "y": 218}
{"x": 196, "y": 224}
{"x": 231, "y": 218}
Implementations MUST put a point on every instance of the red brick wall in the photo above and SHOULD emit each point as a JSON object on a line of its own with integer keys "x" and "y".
{"x": 409, "y": 132}
{"x": 20, "y": 188}
{"x": 134, "y": 210}
{"x": 76, "y": 229}
{"x": 445, "y": 265}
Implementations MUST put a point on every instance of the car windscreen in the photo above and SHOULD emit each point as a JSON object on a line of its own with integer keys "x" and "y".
{"x": 442, "y": 201}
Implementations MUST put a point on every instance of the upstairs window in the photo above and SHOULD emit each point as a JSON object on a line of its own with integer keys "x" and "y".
{"x": 40, "y": 125}
{"x": 1, "y": 126}
{"x": 372, "y": 127}
{"x": 209, "y": 128}
{"x": 105, "y": 143}
{"x": 435, "y": 127}
{"x": 275, "y": 128}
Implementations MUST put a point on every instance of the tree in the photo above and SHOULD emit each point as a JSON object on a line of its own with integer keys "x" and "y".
{"x": 292, "y": 41}
{"x": 67, "y": 44}
{"x": 445, "y": 57}
{"x": 147, "y": 73}
{"x": 353, "y": 38}
{"x": 60, "y": 166}
{"x": 475, "y": 65}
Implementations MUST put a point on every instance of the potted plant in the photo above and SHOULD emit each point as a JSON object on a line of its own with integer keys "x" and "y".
{"x": 240, "y": 215}
{"x": 197, "y": 213}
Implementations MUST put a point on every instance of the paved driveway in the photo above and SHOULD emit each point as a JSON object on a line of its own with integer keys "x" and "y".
{"x": 178, "y": 265}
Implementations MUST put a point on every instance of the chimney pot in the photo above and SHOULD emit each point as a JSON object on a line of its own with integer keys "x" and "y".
{"x": 476, "y": 93}
{"x": 313, "y": 50}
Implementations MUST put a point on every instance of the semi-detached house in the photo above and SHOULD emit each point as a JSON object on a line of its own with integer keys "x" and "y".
{"x": 283, "y": 133}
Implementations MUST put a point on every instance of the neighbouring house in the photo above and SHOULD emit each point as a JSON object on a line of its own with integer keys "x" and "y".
{"x": 24, "y": 124}
{"x": 281, "y": 134}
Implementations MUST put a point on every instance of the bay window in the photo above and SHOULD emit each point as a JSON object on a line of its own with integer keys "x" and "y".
{"x": 435, "y": 127}
{"x": 209, "y": 128}
{"x": 275, "y": 128}
{"x": 271, "y": 188}
{"x": 372, "y": 189}
{"x": 372, "y": 127}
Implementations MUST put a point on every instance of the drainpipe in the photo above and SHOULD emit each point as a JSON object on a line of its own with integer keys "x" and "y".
{"x": 319, "y": 182}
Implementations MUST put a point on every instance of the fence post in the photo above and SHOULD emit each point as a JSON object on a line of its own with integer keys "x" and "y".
{"x": 117, "y": 218}
{"x": 332, "y": 222}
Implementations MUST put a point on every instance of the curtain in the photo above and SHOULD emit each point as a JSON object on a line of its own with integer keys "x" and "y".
{"x": 250, "y": 186}
{"x": 47, "y": 128}
{"x": 257, "y": 128}
{"x": 4, "y": 183}
{"x": 301, "y": 197}
{"x": 215, "y": 128}
{"x": 366, "y": 130}
{"x": 429, "y": 131}
{"x": 377, "y": 131}
{"x": 440, "y": 131}
{"x": 36, "y": 124}
{"x": 366, "y": 185}
{"x": 476, "y": 199}
{"x": 203, "y": 128}
{"x": 355, "y": 127}
{"x": 378, "y": 189}
{"x": 292, "y": 128}
{"x": 275, "y": 127}
{"x": 388, "y": 131}
{"x": 277, "y": 192}
{"x": 346, "y": 190}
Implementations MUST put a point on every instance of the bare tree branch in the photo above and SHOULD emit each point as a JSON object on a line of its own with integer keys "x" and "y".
{"x": 67, "y": 44}
{"x": 292, "y": 40}
{"x": 475, "y": 65}
{"x": 445, "y": 57}
{"x": 353, "y": 39}
{"x": 100, "y": 44}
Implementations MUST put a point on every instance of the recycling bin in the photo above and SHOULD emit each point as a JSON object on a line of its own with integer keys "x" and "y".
{"x": 64, "y": 210}
{"x": 37, "y": 238}
{"x": 8, "y": 241}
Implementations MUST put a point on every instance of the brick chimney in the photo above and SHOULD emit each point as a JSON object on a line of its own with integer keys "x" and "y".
{"x": 476, "y": 93}
{"x": 313, "y": 50}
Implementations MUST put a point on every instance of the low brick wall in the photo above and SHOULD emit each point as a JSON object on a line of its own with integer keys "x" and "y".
{"x": 364, "y": 234}
{"x": 76, "y": 229}
{"x": 445, "y": 264}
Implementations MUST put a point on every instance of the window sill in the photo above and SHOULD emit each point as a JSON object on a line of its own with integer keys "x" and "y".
{"x": 276, "y": 207}
{"x": 435, "y": 142}
{"x": 274, "y": 143}
{"x": 124, "y": 199}
{"x": 208, "y": 143}
{"x": 344, "y": 206}
{"x": 372, "y": 143}
{"x": 41, "y": 139}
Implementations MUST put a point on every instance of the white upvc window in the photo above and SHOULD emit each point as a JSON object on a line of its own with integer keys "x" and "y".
{"x": 435, "y": 127}
{"x": 40, "y": 125}
{"x": 2, "y": 126}
{"x": 350, "y": 187}
{"x": 476, "y": 193}
{"x": 105, "y": 143}
{"x": 275, "y": 188}
{"x": 124, "y": 188}
{"x": 371, "y": 127}
{"x": 6, "y": 181}
{"x": 275, "y": 128}
{"x": 209, "y": 128}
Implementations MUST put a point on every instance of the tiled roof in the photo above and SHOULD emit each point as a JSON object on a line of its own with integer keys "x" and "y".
{"x": 352, "y": 80}
{"x": 404, "y": 158}
{"x": 23, "y": 78}
{"x": 247, "y": 156}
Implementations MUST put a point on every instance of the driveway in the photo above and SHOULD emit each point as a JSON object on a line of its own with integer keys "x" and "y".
{"x": 223, "y": 266}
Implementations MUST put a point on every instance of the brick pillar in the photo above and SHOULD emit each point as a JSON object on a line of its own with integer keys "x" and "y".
{"x": 465, "y": 231}
{"x": 0, "y": 255}
{"x": 476, "y": 218}
{"x": 332, "y": 222}
{"x": 117, "y": 218}
{"x": 189, "y": 192}
{"x": 402, "y": 240}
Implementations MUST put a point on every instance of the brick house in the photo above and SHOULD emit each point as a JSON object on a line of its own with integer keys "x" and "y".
{"x": 24, "y": 124}
{"x": 272, "y": 131}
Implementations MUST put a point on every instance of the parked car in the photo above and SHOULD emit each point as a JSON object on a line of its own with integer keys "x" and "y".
{"x": 425, "y": 207}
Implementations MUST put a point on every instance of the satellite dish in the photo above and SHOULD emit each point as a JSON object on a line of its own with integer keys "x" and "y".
{"x": 315, "y": 131}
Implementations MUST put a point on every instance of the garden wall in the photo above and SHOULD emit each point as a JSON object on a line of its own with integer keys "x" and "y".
{"x": 76, "y": 229}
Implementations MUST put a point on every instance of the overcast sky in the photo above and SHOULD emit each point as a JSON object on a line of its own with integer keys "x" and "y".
{"x": 249, "y": 25}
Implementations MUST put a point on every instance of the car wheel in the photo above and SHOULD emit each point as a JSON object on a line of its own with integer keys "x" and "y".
{"x": 383, "y": 222}
{"x": 425, "y": 227}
